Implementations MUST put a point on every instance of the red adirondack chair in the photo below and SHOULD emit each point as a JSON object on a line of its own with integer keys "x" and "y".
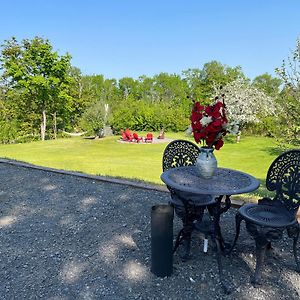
{"x": 149, "y": 138}
{"x": 129, "y": 135}
{"x": 136, "y": 137}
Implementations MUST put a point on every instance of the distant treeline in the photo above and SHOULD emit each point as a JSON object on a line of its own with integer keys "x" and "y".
{"x": 42, "y": 95}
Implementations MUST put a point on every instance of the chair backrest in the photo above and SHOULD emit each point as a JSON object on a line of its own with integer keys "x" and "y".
{"x": 128, "y": 134}
{"x": 179, "y": 153}
{"x": 149, "y": 136}
{"x": 284, "y": 178}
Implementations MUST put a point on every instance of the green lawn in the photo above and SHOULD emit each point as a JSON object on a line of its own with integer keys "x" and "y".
{"x": 136, "y": 161}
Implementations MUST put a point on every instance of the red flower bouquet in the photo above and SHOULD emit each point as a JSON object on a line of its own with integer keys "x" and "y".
{"x": 209, "y": 123}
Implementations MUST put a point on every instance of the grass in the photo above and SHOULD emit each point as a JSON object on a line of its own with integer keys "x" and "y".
{"x": 137, "y": 161}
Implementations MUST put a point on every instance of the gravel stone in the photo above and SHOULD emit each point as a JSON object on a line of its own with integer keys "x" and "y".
{"x": 69, "y": 237}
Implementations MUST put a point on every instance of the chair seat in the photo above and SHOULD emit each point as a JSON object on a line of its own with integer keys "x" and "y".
{"x": 266, "y": 215}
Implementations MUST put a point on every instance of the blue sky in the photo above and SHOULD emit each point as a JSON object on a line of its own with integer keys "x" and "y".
{"x": 119, "y": 38}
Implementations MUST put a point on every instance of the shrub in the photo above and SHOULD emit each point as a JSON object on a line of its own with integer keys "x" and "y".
{"x": 92, "y": 119}
{"x": 8, "y": 131}
{"x": 146, "y": 116}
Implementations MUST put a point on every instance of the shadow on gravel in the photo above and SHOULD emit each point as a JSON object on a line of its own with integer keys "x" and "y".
{"x": 64, "y": 237}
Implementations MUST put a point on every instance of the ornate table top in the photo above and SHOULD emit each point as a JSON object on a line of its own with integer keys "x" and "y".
{"x": 224, "y": 182}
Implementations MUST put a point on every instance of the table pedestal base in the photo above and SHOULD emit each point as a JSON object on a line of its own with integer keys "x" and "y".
{"x": 193, "y": 218}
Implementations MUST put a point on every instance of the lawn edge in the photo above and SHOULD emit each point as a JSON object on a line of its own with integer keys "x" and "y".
{"x": 155, "y": 187}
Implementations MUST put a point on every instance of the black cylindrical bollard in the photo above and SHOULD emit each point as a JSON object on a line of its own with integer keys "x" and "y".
{"x": 162, "y": 240}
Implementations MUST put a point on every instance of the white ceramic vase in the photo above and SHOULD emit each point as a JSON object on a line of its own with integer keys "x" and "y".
{"x": 206, "y": 163}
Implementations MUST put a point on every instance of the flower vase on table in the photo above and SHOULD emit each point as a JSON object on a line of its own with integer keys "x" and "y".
{"x": 206, "y": 163}
{"x": 209, "y": 124}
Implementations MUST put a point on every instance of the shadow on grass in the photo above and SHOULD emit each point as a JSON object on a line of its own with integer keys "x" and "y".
{"x": 275, "y": 151}
{"x": 261, "y": 192}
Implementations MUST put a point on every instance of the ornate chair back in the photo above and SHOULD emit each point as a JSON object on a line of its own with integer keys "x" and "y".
{"x": 284, "y": 178}
{"x": 179, "y": 153}
{"x": 267, "y": 220}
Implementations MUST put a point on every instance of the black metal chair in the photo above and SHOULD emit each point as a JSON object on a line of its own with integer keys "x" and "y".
{"x": 179, "y": 153}
{"x": 267, "y": 220}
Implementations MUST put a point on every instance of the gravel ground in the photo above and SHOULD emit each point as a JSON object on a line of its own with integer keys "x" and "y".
{"x": 66, "y": 237}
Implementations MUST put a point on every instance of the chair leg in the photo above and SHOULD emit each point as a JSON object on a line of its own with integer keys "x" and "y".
{"x": 184, "y": 236}
{"x": 238, "y": 220}
{"x": 294, "y": 232}
{"x": 261, "y": 246}
{"x": 295, "y": 253}
{"x": 178, "y": 240}
{"x": 226, "y": 287}
{"x": 186, "y": 249}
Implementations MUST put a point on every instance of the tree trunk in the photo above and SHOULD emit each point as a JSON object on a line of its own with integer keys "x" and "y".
{"x": 54, "y": 125}
{"x": 43, "y": 125}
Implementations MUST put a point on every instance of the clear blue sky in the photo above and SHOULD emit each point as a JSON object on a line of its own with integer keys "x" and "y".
{"x": 120, "y": 38}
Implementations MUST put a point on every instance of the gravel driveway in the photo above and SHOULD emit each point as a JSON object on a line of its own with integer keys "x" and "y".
{"x": 68, "y": 237}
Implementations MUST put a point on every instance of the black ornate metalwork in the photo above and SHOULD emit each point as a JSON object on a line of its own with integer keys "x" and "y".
{"x": 190, "y": 208}
{"x": 284, "y": 178}
{"x": 179, "y": 153}
{"x": 224, "y": 182}
{"x": 267, "y": 220}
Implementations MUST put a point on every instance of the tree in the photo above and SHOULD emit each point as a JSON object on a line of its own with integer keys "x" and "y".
{"x": 215, "y": 73}
{"x": 202, "y": 82}
{"x": 40, "y": 76}
{"x": 94, "y": 118}
{"x": 289, "y": 72}
{"x": 128, "y": 86}
{"x": 268, "y": 84}
{"x": 245, "y": 103}
{"x": 193, "y": 78}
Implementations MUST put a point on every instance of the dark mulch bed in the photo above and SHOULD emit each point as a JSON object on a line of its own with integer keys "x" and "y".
{"x": 65, "y": 237}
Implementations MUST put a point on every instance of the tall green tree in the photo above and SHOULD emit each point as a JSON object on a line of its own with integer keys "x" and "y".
{"x": 203, "y": 82}
{"x": 40, "y": 76}
{"x": 216, "y": 74}
{"x": 193, "y": 79}
{"x": 268, "y": 84}
{"x": 290, "y": 101}
{"x": 170, "y": 88}
{"x": 128, "y": 86}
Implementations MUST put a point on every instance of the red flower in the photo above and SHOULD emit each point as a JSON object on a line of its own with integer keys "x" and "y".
{"x": 219, "y": 144}
{"x": 210, "y": 138}
{"x": 208, "y": 124}
{"x": 196, "y": 116}
{"x": 197, "y": 136}
{"x": 196, "y": 126}
{"x": 198, "y": 107}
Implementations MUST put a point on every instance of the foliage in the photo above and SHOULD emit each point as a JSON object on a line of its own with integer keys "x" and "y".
{"x": 290, "y": 97}
{"x": 247, "y": 104}
{"x": 143, "y": 116}
{"x": 268, "y": 126}
{"x": 38, "y": 76}
{"x": 39, "y": 89}
{"x": 268, "y": 84}
{"x": 201, "y": 83}
{"x": 8, "y": 131}
{"x": 93, "y": 119}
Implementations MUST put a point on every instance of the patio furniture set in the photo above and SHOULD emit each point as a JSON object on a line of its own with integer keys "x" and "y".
{"x": 200, "y": 202}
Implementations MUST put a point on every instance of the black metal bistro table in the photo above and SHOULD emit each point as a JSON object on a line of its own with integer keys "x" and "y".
{"x": 192, "y": 195}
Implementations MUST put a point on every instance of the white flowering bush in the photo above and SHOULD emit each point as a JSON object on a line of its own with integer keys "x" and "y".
{"x": 246, "y": 104}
